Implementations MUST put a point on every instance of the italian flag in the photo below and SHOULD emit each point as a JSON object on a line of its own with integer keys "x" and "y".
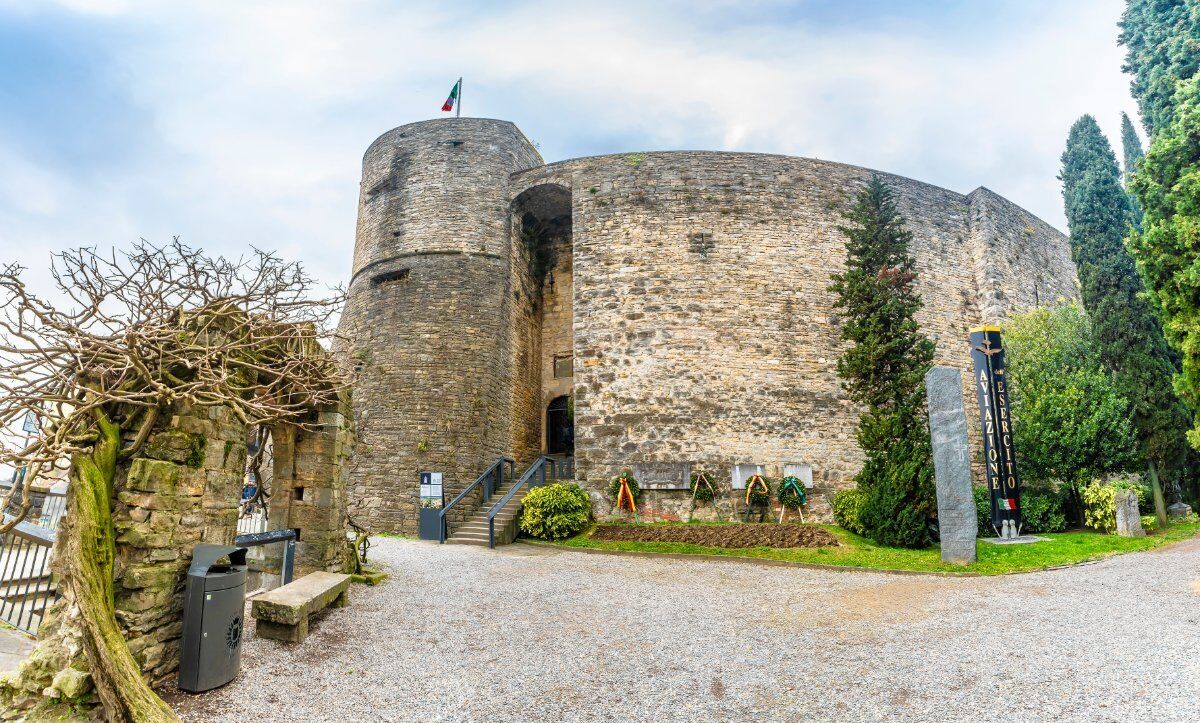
{"x": 449, "y": 104}
{"x": 1005, "y": 503}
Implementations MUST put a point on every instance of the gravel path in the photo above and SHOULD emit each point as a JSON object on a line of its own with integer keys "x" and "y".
{"x": 523, "y": 633}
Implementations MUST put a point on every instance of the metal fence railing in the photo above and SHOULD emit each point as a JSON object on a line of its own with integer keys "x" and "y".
{"x": 26, "y": 585}
{"x": 46, "y": 508}
{"x": 252, "y": 521}
{"x": 54, "y": 506}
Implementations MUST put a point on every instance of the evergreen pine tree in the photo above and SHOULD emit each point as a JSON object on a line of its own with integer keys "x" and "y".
{"x": 1167, "y": 254}
{"x": 884, "y": 370}
{"x": 1162, "y": 38}
{"x": 1131, "y": 147}
{"x": 1127, "y": 333}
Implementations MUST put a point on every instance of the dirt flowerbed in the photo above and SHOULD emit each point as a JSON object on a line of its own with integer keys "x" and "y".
{"x": 748, "y": 535}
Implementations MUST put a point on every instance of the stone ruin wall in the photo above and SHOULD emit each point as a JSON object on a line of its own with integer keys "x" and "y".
{"x": 183, "y": 489}
{"x": 703, "y": 328}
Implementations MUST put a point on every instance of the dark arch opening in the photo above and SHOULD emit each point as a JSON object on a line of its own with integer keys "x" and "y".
{"x": 560, "y": 426}
{"x": 544, "y": 212}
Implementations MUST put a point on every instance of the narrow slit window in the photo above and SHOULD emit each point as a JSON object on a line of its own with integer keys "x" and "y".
{"x": 389, "y": 276}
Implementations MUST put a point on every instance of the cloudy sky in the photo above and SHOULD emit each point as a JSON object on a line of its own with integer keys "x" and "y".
{"x": 244, "y": 122}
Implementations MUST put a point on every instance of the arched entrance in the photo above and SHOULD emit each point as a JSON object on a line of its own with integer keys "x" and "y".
{"x": 542, "y": 233}
{"x": 560, "y": 426}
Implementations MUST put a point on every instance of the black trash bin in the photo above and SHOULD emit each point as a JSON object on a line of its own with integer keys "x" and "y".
{"x": 213, "y": 607}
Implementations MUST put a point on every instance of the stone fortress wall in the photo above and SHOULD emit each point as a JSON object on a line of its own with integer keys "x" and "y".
{"x": 703, "y": 330}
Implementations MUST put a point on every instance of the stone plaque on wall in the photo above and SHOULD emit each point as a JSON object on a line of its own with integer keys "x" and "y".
{"x": 663, "y": 475}
{"x": 742, "y": 472}
{"x": 801, "y": 471}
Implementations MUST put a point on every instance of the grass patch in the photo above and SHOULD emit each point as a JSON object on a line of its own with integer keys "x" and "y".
{"x": 1063, "y": 548}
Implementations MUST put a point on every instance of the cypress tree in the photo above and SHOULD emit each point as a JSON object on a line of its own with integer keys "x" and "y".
{"x": 1127, "y": 334}
{"x": 884, "y": 369}
{"x": 1168, "y": 187}
{"x": 1131, "y": 148}
{"x": 1162, "y": 38}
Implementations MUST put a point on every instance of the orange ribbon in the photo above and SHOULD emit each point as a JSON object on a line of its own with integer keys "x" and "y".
{"x": 625, "y": 494}
{"x": 752, "y": 482}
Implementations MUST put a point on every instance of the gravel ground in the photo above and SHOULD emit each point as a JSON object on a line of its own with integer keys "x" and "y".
{"x": 524, "y": 633}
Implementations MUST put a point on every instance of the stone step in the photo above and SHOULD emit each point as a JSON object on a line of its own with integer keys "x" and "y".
{"x": 27, "y": 589}
{"x": 482, "y": 516}
{"x": 480, "y": 524}
{"x": 471, "y": 534}
{"x": 462, "y": 541}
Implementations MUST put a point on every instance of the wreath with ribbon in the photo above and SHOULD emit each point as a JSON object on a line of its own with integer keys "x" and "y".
{"x": 791, "y": 492}
{"x": 703, "y": 487}
{"x": 626, "y": 491}
{"x": 758, "y": 492}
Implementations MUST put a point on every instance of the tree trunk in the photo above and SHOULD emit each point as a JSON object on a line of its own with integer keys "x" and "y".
{"x": 88, "y": 571}
{"x": 1160, "y": 504}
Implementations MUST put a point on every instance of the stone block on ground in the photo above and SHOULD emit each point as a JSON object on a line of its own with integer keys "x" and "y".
{"x": 72, "y": 683}
{"x": 1129, "y": 520}
{"x": 957, "y": 521}
{"x": 285, "y": 610}
{"x": 1179, "y": 510}
{"x": 369, "y": 576}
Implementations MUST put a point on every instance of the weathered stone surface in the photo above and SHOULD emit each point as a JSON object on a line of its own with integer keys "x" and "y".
{"x": 282, "y": 614}
{"x": 957, "y": 521}
{"x": 699, "y": 316}
{"x": 72, "y": 683}
{"x": 292, "y": 602}
{"x": 1179, "y": 510}
{"x": 1129, "y": 520}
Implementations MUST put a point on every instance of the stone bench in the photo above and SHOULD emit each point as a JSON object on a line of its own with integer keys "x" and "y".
{"x": 282, "y": 614}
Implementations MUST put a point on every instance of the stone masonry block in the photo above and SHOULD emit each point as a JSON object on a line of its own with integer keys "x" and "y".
{"x": 1129, "y": 519}
{"x": 957, "y": 520}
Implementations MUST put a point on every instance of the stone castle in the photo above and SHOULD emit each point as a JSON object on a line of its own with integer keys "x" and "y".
{"x": 662, "y": 311}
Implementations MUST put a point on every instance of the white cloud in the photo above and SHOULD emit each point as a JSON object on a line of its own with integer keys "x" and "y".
{"x": 261, "y": 110}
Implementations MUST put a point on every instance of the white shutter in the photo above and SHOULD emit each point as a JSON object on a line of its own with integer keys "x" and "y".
{"x": 803, "y": 472}
{"x": 743, "y": 472}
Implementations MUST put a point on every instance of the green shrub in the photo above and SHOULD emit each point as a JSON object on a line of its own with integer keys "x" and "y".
{"x": 847, "y": 505}
{"x": 983, "y": 512}
{"x": 1144, "y": 493}
{"x": 555, "y": 511}
{"x": 888, "y": 515}
{"x": 1041, "y": 511}
{"x": 1099, "y": 502}
{"x": 1149, "y": 523}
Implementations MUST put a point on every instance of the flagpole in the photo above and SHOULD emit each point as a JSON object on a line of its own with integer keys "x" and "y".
{"x": 458, "y": 108}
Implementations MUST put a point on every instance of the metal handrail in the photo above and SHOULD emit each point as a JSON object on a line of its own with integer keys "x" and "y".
{"x": 25, "y": 574}
{"x": 494, "y": 473}
{"x": 537, "y": 467}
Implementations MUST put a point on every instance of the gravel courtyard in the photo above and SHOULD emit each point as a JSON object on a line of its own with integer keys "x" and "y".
{"x": 525, "y": 633}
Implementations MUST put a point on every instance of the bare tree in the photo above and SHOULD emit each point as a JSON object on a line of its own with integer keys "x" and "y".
{"x": 135, "y": 334}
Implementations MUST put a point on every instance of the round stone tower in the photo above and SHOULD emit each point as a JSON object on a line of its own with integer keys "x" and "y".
{"x": 431, "y": 318}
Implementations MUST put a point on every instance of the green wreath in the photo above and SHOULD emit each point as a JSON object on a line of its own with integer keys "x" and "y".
{"x": 702, "y": 492}
{"x": 758, "y": 494}
{"x": 791, "y": 492}
{"x": 634, "y": 489}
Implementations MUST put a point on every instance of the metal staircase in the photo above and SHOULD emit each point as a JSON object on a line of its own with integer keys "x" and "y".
{"x": 496, "y": 523}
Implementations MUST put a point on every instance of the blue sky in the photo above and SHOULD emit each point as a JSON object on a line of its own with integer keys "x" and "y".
{"x": 237, "y": 123}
